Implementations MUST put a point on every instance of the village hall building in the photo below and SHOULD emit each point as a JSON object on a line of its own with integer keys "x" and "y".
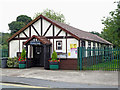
{"x": 42, "y": 36}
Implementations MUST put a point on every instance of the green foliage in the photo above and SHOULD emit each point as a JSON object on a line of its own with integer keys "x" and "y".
{"x": 23, "y": 18}
{"x": 52, "y": 15}
{"x": 54, "y": 55}
{"x": 111, "y": 31}
{"x": 12, "y": 62}
{"x": 3, "y": 40}
{"x": 20, "y": 22}
{"x": 23, "y": 54}
{"x": 96, "y": 33}
{"x": 15, "y": 26}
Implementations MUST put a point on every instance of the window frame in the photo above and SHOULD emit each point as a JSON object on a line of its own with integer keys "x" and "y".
{"x": 57, "y": 45}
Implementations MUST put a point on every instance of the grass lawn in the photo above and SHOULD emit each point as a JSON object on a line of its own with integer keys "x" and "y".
{"x": 113, "y": 65}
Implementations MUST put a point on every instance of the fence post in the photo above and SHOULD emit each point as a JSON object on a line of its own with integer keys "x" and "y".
{"x": 78, "y": 57}
{"x": 80, "y": 53}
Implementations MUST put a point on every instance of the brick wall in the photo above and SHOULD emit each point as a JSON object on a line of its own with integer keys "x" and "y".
{"x": 68, "y": 64}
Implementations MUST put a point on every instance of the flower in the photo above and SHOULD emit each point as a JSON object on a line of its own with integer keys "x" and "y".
{"x": 52, "y": 60}
{"x": 21, "y": 59}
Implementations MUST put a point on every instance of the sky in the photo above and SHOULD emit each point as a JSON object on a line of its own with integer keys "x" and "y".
{"x": 83, "y": 14}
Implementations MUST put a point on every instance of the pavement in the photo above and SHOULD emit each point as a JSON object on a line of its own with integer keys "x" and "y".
{"x": 75, "y": 77}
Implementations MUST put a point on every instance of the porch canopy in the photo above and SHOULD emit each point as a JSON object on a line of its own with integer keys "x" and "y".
{"x": 37, "y": 40}
{"x": 43, "y": 54}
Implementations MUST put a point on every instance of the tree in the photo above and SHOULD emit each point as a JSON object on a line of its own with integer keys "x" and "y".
{"x": 15, "y": 26}
{"x": 111, "y": 31}
{"x": 20, "y": 22}
{"x": 96, "y": 33}
{"x": 52, "y": 15}
{"x": 23, "y": 18}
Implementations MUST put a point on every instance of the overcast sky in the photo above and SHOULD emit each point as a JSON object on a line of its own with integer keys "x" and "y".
{"x": 83, "y": 14}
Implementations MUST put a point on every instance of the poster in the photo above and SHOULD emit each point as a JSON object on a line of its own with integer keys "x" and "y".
{"x": 73, "y": 46}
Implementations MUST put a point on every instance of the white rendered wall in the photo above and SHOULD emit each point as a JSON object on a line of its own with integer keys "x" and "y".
{"x": 57, "y": 30}
{"x": 46, "y": 24}
{"x": 37, "y": 26}
{"x": 21, "y": 44}
{"x": 22, "y": 35}
{"x": 27, "y": 31}
{"x": 14, "y": 48}
{"x": 33, "y": 32}
{"x": 62, "y": 33}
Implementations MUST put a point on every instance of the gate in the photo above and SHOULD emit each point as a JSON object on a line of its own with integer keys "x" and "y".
{"x": 107, "y": 59}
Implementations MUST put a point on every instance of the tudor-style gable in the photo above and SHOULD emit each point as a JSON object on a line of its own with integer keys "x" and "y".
{"x": 40, "y": 27}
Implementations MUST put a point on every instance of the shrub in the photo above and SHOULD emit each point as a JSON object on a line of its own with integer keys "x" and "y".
{"x": 54, "y": 55}
{"x": 23, "y": 54}
{"x": 12, "y": 62}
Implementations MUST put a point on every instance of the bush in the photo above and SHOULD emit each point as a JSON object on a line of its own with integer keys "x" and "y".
{"x": 23, "y": 54}
{"x": 54, "y": 55}
{"x": 12, "y": 62}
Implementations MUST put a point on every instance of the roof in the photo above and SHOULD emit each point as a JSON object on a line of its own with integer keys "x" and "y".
{"x": 42, "y": 39}
{"x": 77, "y": 33}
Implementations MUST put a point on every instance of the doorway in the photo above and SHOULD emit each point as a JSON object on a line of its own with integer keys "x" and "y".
{"x": 38, "y": 54}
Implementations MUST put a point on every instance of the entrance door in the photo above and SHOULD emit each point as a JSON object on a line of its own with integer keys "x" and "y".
{"x": 38, "y": 56}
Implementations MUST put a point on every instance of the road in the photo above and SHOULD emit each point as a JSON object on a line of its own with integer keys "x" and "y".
{"x": 50, "y": 84}
{"x": 10, "y": 85}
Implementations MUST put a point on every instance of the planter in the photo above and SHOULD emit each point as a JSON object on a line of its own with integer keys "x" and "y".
{"x": 54, "y": 65}
{"x": 22, "y": 64}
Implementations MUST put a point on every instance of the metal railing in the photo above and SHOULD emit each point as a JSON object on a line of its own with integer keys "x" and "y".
{"x": 107, "y": 59}
{"x": 3, "y": 53}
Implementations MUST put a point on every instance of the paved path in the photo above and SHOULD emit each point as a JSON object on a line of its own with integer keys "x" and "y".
{"x": 72, "y": 76}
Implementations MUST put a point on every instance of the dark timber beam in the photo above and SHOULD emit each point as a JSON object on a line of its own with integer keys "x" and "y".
{"x": 59, "y": 32}
{"x": 78, "y": 43}
{"x": 30, "y": 31}
{"x": 53, "y": 36}
{"x": 47, "y": 29}
{"x": 25, "y": 34}
{"x": 41, "y": 26}
{"x": 26, "y": 55}
{"x": 48, "y": 37}
{"x": 35, "y": 30}
{"x": 66, "y": 45}
{"x": 59, "y": 37}
{"x": 19, "y": 41}
{"x": 22, "y": 38}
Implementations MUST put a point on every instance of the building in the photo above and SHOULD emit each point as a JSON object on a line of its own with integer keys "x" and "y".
{"x": 42, "y": 36}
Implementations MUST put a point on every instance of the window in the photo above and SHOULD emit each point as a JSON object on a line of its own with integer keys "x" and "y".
{"x": 93, "y": 48}
{"x": 83, "y": 43}
{"x": 58, "y": 45}
{"x": 89, "y": 43}
{"x": 89, "y": 48}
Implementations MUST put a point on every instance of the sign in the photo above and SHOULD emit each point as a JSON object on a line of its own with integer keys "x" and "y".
{"x": 35, "y": 43}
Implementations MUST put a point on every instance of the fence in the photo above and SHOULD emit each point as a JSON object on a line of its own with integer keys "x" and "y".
{"x": 3, "y": 52}
{"x": 99, "y": 59}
